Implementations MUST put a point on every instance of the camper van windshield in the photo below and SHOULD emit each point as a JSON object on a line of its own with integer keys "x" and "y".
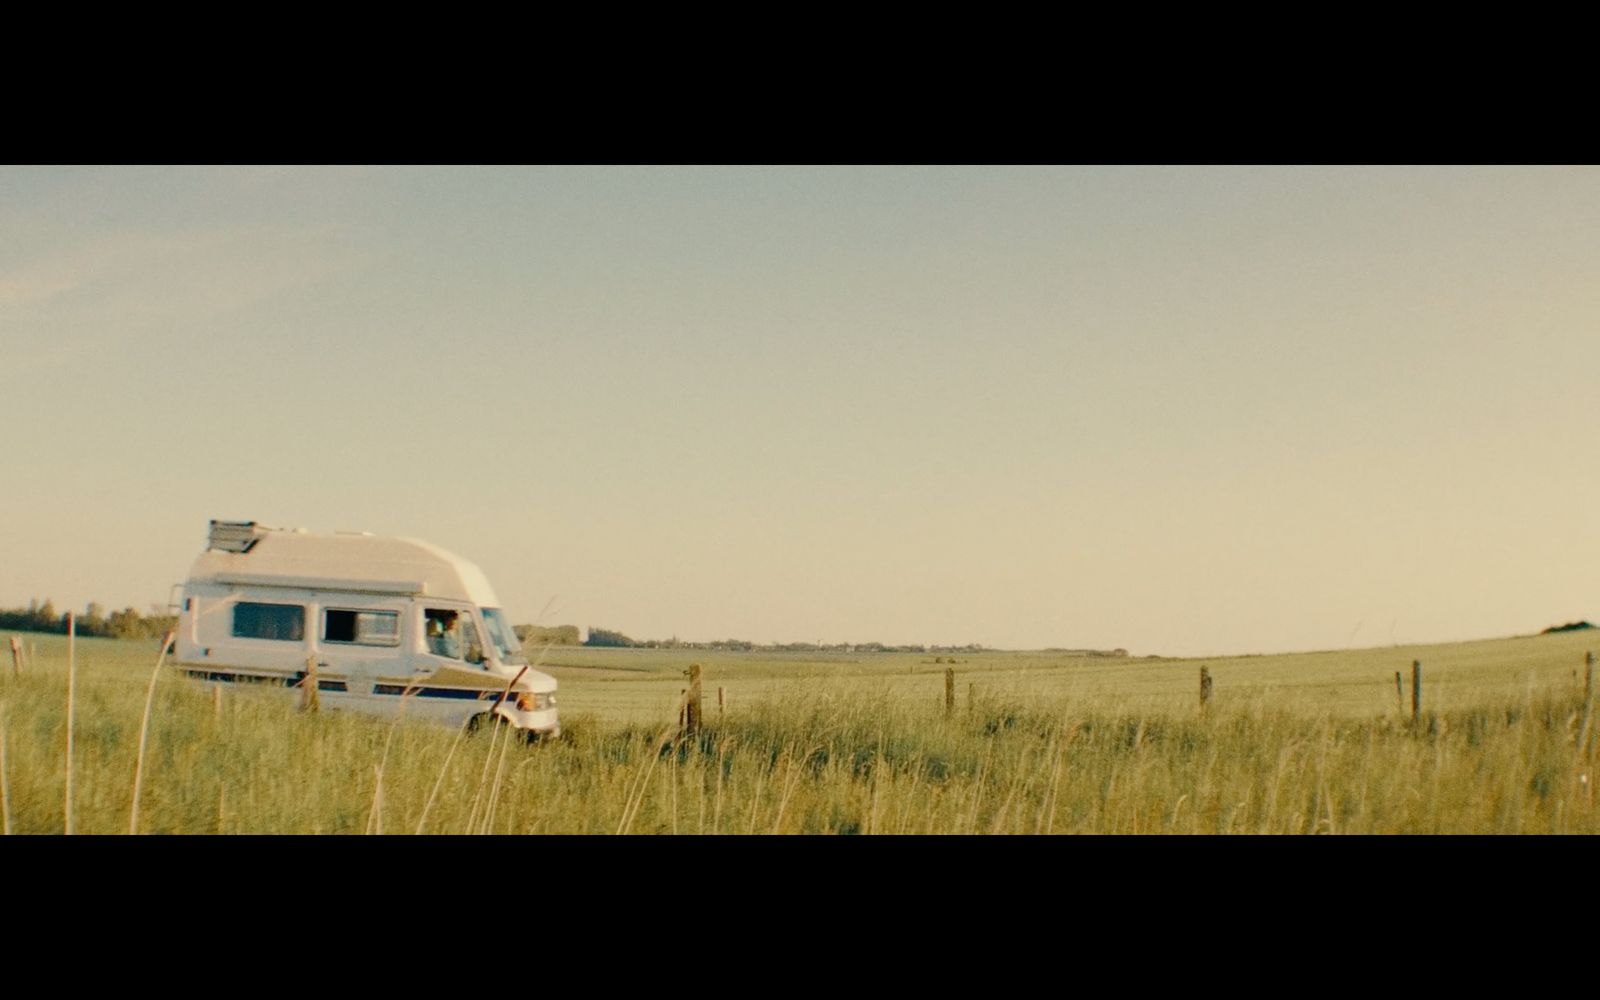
{"x": 505, "y": 640}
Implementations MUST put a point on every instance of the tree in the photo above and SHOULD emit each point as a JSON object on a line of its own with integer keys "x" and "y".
{"x": 606, "y": 637}
{"x": 558, "y": 635}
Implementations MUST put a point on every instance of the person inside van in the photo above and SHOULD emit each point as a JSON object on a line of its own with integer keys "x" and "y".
{"x": 443, "y": 637}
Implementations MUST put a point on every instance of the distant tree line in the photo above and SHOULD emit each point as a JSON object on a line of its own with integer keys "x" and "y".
{"x": 559, "y": 635}
{"x": 124, "y": 624}
{"x": 1568, "y": 627}
{"x": 1119, "y": 652}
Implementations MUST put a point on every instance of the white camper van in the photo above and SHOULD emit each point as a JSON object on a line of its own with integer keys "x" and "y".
{"x": 379, "y": 619}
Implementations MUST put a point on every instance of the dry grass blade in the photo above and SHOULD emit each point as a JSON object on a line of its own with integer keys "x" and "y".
{"x": 144, "y": 732}
{"x": 755, "y": 800}
{"x": 637, "y": 790}
{"x": 1018, "y": 775}
{"x": 483, "y": 779}
{"x": 375, "y": 817}
{"x": 1588, "y": 707}
{"x": 494, "y": 790}
{"x": 72, "y": 664}
{"x": 878, "y": 766}
{"x": 5, "y": 785}
{"x": 496, "y": 726}
{"x": 716, "y": 809}
{"x": 637, "y": 798}
{"x": 421, "y": 820}
{"x": 1046, "y": 820}
{"x": 792, "y": 776}
{"x": 400, "y": 713}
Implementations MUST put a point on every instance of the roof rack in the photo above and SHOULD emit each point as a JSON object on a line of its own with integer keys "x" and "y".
{"x": 235, "y": 536}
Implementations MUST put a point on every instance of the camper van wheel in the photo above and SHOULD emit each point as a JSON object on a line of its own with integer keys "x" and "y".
{"x": 481, "y": 721}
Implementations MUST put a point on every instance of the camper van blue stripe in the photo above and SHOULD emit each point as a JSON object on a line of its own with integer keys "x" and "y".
{"x": 436, "y": 692}
{"x": 230, "y": 677}
{"x": 295, "y": 680}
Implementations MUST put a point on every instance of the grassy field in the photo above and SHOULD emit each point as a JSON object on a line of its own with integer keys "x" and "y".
{"x": 1304, "y": 743}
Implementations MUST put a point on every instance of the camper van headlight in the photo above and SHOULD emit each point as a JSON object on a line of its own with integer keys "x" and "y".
{"x": 527, "y": 701}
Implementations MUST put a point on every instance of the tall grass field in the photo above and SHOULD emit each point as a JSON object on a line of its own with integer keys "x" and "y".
{"x": 1036, "y": 743}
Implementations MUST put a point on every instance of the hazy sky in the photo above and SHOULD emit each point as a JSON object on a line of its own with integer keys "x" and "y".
{"x": 1178, "y": 410}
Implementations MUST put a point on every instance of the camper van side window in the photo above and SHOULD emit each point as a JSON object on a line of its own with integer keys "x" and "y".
{"x": 364, "y": 628}
{"x": 269, "y": 621}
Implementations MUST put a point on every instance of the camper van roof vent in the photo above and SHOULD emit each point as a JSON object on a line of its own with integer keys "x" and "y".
{"x": 234, "y": 536}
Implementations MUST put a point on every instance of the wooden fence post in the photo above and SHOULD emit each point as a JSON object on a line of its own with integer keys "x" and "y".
{"x": 693, "y": 710}
{"x": 16, "y": 657}
{"x": 1416, "y": 690}
{"x": 1399, "y": 694}
{"x": 1205, "y": 687}
{"x": 972, "y": 697}
{"x": 722, "y": 702}
{"x": 949, "y": 690}
{"x": 1588, "y": 677}
{"x": 309, "y": 700}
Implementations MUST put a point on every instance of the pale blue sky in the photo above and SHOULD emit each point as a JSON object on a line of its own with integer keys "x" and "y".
{"x": 1177, "y": 410}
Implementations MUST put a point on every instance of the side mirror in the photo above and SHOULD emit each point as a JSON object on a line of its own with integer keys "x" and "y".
{"x": 475, "y": 653}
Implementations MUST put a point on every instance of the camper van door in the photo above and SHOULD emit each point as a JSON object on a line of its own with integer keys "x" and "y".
{"x": 361, "y": 637}
{"x": 451, "y": 636}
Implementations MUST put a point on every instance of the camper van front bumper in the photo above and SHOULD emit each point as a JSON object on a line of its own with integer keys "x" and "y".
{"x": 545, "y": 723}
